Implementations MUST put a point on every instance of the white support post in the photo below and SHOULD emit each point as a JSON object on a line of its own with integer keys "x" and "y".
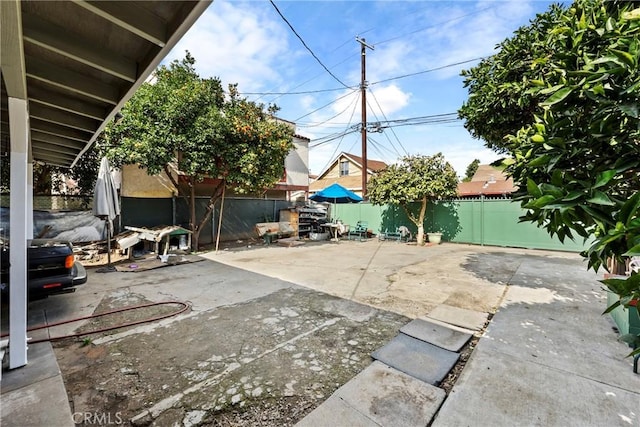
{"x": 19, "y": 136}
{"x": 29, "y": 198}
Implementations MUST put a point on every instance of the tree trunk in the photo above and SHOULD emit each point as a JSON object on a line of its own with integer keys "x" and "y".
{"x": 423, "y": 210}
{"x": 192, "y": 220}
{"x": 211, "y": 204}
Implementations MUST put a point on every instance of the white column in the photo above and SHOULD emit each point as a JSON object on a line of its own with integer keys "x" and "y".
{"x": 29, "y": 199}
{"x": 19, "y": 136}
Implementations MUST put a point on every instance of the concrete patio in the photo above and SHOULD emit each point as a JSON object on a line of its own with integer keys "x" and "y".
{"x": 546, "y": 355}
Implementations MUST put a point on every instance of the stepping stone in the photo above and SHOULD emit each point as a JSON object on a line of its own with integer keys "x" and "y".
{"x": 417, "y": 358}
{"x": 378, "y": 396}
{"x": 436, "y": 334}
{"x": 448, "y": 325}
{"x": 459, "y": 316}
{"x": 335, "y": 411}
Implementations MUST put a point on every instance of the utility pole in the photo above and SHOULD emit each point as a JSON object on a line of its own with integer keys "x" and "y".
{"x": 363, "y": 96}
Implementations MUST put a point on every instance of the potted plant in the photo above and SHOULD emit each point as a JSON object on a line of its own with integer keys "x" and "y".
{"x": 623, "y": 298}
{"x": 434, "y": 237}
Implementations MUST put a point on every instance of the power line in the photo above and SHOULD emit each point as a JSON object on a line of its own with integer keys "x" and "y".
{"x": 337, "y": 114}
{"x": 326, "y": 105}
{"x": 427, "y": 71}
{"x": 370, "y": 84}
{"x": 435, "y": 25}
{"x": 385, "y": 117}
{"x": 305, "y": 45}
{"x": 349, "y": 130}
{"x": 295, "y": 93}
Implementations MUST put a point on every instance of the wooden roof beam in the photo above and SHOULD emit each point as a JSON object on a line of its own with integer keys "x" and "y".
{"x": 72, "y": 81}
{"x": 54, "y": 38}
{"x": 132, "y": 18}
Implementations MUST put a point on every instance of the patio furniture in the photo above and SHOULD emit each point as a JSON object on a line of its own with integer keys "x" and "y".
{"x": 359, "y": 231}
{"x": 401, "y": 234}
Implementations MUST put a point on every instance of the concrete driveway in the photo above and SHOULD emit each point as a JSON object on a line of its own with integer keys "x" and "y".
{"x": 274, "y": 331}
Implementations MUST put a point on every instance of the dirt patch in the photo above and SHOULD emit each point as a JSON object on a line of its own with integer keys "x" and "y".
{"x": 269, "y": 361}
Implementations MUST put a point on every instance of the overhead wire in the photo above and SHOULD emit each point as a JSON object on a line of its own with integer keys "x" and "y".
{"x": 307, "y": 92}
{"x": 349, "y": 130}
{"x": 306, "y": 46}
{"x": 430, "y": 70}
{"x": 326, "y": 105}
{"x": 427, "y": 71}
{"x": 355, "y": 100}
{"x": 279, "y": 94}
{"x": 385, "y": 117}
{"x": 435, "y": 25}
{"x": 374, "y": 126}
{"x": 379, "y": 147}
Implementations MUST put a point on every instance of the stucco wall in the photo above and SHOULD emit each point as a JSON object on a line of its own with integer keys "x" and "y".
{"x": 297, "y": 163}
{"x": 137, "y": 183}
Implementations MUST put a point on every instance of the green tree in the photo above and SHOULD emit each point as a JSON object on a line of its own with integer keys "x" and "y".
{"x": 500, "y": 101}
{"x": 182, "y": 120}
{"x": 46, "y": 177}
{"x": 415, "y": 179}
{"x": 576, "y": 155}
{"x": 471, "y": 170}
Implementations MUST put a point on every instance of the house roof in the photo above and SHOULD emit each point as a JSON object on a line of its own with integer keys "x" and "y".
{"x": 372, "y": 165}
{"x": 77, "y": 63}
{"x": 477, "y": 188}
{"x": 304, "y": 138}
{"x": 487, "y": 172}
{"x": 489, "y": 181}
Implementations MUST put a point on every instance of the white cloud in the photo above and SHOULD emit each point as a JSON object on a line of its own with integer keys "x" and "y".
{"x": 388, "y": 99}
{"x": 238, "y": 43}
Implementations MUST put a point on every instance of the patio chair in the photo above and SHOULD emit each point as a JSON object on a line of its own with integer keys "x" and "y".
{"x": 401, "y": 234}
{"x": 405, "y": 234}
{"x": 360, "y": 231}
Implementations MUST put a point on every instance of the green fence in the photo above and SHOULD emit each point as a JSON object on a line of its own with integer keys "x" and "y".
{"x": 479, "y": 221}
{"x": 238, "y": 220}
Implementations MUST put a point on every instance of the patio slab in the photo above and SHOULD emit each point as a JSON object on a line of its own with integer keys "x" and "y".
{"x": 436, "y": 334}
{"x": 417, "y": 358}
{"x": 379, "y": 396}
{"x": 459, "y": 316}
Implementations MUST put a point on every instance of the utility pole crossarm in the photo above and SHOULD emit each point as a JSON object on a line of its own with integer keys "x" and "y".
{"x": 363, "y": 96}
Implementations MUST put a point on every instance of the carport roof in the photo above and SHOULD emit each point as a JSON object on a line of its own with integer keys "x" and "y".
{"x": 77, "y": 62}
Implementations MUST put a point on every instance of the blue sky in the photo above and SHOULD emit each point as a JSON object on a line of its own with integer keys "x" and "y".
{"x": 410, "y": 71}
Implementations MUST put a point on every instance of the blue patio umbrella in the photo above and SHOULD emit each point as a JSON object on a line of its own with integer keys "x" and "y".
{"x": 336, "y": 193}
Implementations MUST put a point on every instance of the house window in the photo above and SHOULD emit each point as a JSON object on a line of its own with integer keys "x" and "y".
{"x": 344, "y": 168}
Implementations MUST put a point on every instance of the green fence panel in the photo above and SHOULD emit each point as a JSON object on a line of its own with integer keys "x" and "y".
{"x": 351, "y": 213}
{"x": 238, "y": 220}
{"x": 478, "y": 221}
{"x": 482, "y": 221}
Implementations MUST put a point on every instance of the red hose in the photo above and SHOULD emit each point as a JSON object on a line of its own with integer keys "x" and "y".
{"x": 185, "y": 307}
